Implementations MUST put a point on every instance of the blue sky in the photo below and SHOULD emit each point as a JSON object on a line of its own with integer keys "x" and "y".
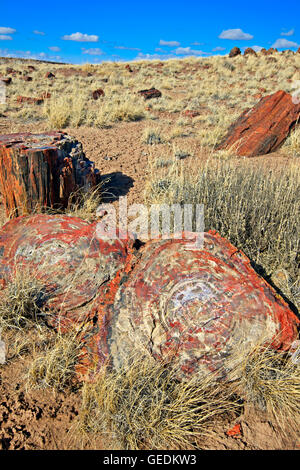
{"x": 90, "y": 31}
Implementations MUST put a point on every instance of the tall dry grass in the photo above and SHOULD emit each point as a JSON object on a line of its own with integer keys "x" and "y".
{"x": 256, "y": 208}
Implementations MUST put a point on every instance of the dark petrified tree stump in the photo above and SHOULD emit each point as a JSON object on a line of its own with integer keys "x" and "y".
{"x": 42, "y": 170}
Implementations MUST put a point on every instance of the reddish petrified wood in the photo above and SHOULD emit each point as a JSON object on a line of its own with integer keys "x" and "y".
{"x": 49, "y": 75}
{"x": 127, "y": 67}
{"x": 29, "y": 100}
{"x": 6, "y": 80}
{"x": 250, "y": 51}
{"x": 68, "y": 258}
{"x": 264, "y": 128}
{"x": 42, "y": 170}
{"x": 97, "y": 93}
{"x": 235, "y": 51}
{"x": 191, "y": 113}
{"x": 151, "y": 93}
{"x": 189, "y": 305}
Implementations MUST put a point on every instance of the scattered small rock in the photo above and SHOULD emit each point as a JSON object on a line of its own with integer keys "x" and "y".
{"x": 29, "y": 100}
{"x": 6, "y": 80}
{"x": 250, "y": 51}
{"x": 49, "y": 75}
{"x": 234, "y": 52}
{"x": 191, "y": 113}
{"x": 151, "y": 93}
{"x": 26, "y": 78}
{"x": 128, "y": 68}
{"x": 97, "y": 93}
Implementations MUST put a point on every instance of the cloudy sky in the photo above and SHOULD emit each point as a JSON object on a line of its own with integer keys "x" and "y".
{"x": 90, "y": 31}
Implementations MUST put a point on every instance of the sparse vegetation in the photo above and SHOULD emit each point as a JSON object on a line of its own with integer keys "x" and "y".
{"x": 143, "y": 406}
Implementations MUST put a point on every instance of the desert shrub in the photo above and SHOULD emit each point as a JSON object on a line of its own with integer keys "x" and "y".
{"x": 54, "y": 367}
{"x": 21, "y": 302}
{"x": 144, "y": 406}
{"x": 152, "y": 136}
{"x": 271, "y": 381}
{"x": 257, "y": 209}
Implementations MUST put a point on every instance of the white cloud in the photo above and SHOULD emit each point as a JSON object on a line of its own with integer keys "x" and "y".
{"x": 5, "y": 30}
{"x": 188, "y": 51}
{"x": 127, "y": 48}
{"x": 4, "y": 37}
{"x": 28, "y": 55}
{"x": 54, "y": 48}
{"x": 235, "y": 34}
{"x": 40, "y": 33}
{"x": 93, "y": 51}
{"x": 80, "y": 37}
{"x": 169, "y": 43}
{"x": 197, "y": 43}
{"x": 219, "y": 48}
{"x": 288, "y": 33}
{"x": 281, "y": 43}
{"x": 142, "y": 56}
{"x": 257, "y": 48}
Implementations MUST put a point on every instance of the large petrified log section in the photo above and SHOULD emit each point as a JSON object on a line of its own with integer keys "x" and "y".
{"x": 42, "y": 170}
{"x": 67, "y": 258}
{"x": 190, "y": 306}
{"x": 264, "y": 128}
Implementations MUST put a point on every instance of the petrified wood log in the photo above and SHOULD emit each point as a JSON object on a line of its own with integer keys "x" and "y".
{"x": 42, "y": 170}
{"x": 264, "y": 128}
{"x": 68, "y": 258}
{"x": 151, "y": 93}
{"x": 191, "y": 307}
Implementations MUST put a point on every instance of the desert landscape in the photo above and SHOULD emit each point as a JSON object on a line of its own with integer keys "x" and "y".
{"x": 158, "y": 132}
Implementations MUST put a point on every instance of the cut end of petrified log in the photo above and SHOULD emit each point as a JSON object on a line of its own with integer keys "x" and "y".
{"x": 42, "y": 170}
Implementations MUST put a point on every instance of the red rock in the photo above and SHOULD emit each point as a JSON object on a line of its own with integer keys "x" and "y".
{"x": 264, "y": 51}
{"x": 97, "y": 93}
{"x": 29, "y": 100}
{"x": 264, "y": 128}
{"x": 149, "y": 94}
{"x": 235, "y": 431}
{"x": 191, "y": 113}
{"x": 235, "y": 52}
{"x": 31, "y": 68}
{"x": 191, "y": 306}
{"x": 271, "y": 51}
{"x": 66, "y": 255}
{"x": 5, "y": 80}
{"x": 127, "y": 67}
{"x": 49, "y": 75}
{"x": 42, "y": 170}
{"x": 250, "y": 51}
{"x": 45, "y": 95}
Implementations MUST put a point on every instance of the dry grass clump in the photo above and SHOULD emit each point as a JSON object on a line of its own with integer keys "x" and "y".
{"x": 21, "y": 301}
{"x": 256, "y": 209}
{"x": 54, "y": 367}
{"x": 144, "y": 406}
{"x": 152, "y": 136}
{"x": 84, "y": 204}
{"x": 271, "y": 381}
{"x": 119, "y": 108}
